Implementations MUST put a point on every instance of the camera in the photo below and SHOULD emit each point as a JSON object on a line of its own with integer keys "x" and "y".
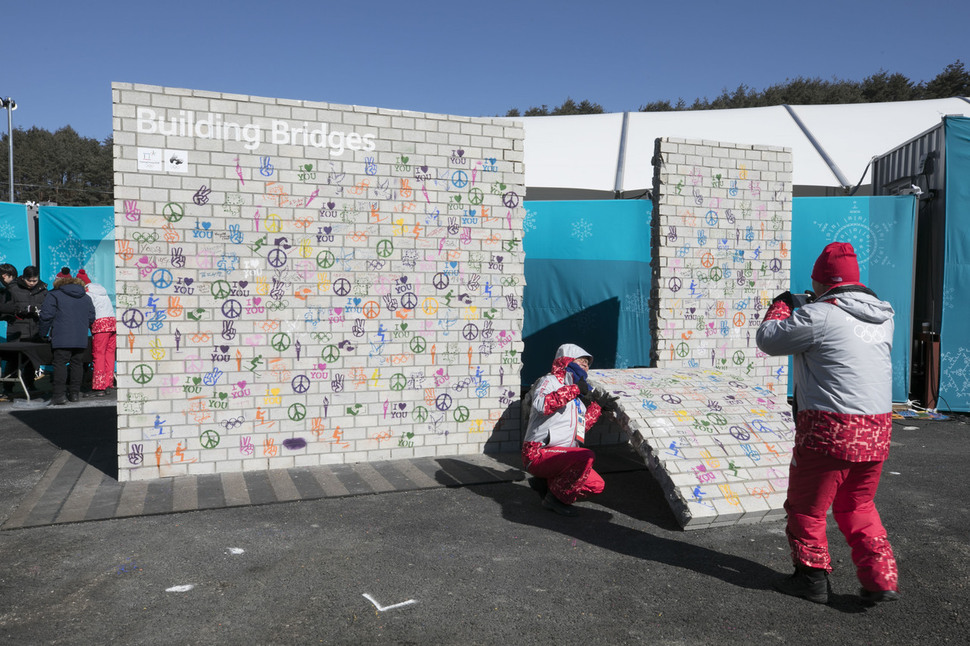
{"x": 802, "y": 299}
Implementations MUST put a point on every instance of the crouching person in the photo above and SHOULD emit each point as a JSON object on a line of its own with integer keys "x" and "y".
{"x": 562, "y": 412}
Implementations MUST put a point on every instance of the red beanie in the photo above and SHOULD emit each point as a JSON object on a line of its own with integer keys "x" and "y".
{"x": 65, "y": 273}
{"x": 83, "y": 275}
{"x": 836, "y": 264}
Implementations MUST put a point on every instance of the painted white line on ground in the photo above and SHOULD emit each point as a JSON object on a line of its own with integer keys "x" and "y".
{"x": 180, "y": 588}
{"x": 381, "y": 608}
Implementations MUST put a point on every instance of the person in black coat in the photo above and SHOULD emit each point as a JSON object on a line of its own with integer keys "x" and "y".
{"x": 27, "y": 294}
{"x": 67, "y": 314}
{"x": 8, "y": 275}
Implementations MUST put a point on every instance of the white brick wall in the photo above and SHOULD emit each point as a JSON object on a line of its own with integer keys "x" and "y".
{"x": 282, "y": 301}
{"x": 722, "y": 254}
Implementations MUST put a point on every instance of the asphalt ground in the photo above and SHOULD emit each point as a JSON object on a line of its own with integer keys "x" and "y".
{"x": 465, "y": 555}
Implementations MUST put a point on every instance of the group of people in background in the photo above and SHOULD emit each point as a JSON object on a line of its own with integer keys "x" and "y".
{"x": 62, "y": 315}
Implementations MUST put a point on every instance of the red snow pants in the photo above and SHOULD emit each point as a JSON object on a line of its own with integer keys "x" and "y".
{"x": 568, "y": 470}
{"x": 103, "y": 351}
{"x": 817, "y": 482}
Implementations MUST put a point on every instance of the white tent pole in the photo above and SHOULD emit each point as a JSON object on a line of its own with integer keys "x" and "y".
{"x": 621, "y": 156}
{"x": 818, "y": 147}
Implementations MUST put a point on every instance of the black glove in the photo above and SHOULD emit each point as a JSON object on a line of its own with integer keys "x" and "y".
{"x": 785, "y": 297}
{"x": 608, "y": 403}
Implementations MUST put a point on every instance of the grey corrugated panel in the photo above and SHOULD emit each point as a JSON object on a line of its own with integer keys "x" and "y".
{"x": 903, "y": 163}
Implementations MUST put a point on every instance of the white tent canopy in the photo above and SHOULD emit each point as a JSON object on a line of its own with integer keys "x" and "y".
{"x": 831, "y": 144}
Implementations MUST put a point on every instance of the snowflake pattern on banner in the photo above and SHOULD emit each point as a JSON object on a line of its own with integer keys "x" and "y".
{"x": 7, "y": 231}
{"x": 529, "y": 223}
{"x": 636, "y": 302}
{"x": 955, "y": 371}
{"x": 71, "y": 252}
{"x": 582, "y": 230}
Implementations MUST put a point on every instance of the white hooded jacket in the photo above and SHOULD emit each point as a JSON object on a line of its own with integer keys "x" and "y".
{"x": 560, "y": 429}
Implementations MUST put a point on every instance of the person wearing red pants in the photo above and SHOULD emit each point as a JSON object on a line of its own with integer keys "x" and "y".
{"x": 562, "y": 412}
{"x": 103, "y": 337}
{"x": 841, "y": 342}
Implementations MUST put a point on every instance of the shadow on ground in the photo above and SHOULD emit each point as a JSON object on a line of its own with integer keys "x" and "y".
{"x": 634, "y": 494}
{"x": 91, "y": 434}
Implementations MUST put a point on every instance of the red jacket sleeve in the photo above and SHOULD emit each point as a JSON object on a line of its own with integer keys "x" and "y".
{"x": 559, "y": 398}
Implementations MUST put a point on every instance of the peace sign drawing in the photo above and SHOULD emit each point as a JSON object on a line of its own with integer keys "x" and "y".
{"x": 220, "y": 289}
{"x": 341, "y": 287}
{"x": 420, "y": 414}
{"x": 132, "y": 319}
{"x": 325, "y": 259}
{"x": 330, "y": 353}
{"x": 385, "y": 248}
{"x": 296, "y": 412}
{"x": 300, "y": 384}
{"x": 231, "y": 309}
{"x": 443, "y": 402}
{"x": 398, "y": 381}
{"x": 409, "y": 301}
{"x": 173, "y": 212}
{"x": 280, "y": 341}
{"x": 142, "y": 374}
{"x": 161, "y": 278}
{"x": 209, "y": 439}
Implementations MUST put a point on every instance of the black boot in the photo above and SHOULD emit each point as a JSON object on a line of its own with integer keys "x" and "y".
{"x": 878, "y": 596}
{"x": 539, "y": 485}
{"x": 552, "y": 503}
{"x": 806, "y": 583}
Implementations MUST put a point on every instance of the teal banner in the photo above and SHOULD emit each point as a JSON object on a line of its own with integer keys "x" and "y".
{"x": 587, "y": 273}
{"x": 14, "y": 241}
{"x": 882, "y": 232}
{"x": 955, "y": 331}
{"x": 76, "y": 237}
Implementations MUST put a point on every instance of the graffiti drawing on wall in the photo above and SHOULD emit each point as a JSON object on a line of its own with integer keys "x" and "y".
{"x": 302, "y": 293}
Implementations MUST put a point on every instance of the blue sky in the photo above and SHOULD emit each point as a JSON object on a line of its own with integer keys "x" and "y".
{"x": 458, "y": 57}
